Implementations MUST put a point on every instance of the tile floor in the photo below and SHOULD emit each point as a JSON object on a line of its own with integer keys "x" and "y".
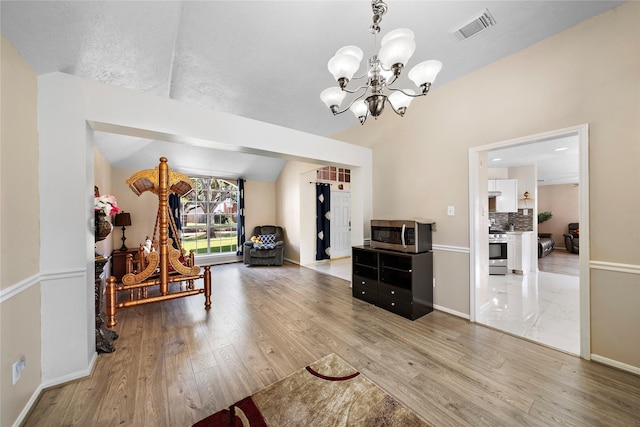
{"x": 340, "y": 267}
{"x": 542, "y": 307}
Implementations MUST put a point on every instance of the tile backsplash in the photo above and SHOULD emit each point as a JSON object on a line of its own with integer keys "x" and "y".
{"x": 501, "y": 220}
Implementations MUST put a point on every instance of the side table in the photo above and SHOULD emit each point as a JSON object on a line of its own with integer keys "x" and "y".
{"x": 119, "y": 262}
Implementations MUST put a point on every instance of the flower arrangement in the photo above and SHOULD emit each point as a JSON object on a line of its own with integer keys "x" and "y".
{"x": 106, "y": 204}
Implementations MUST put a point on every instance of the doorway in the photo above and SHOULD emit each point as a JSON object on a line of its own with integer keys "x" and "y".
{"x": 479, "y": 226}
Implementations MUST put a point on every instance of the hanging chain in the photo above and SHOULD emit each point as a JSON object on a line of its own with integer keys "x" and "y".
{"x": 379, "y": 8}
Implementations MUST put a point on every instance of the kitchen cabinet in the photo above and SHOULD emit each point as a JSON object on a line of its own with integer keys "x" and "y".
{"x": 401, "y": 283}
{"x": 507, "y": 201}
{"x": 519, "y": 251}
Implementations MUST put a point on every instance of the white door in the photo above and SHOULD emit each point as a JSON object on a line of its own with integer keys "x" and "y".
{"x": 340, "y": 224}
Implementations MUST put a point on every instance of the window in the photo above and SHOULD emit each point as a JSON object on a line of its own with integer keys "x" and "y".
{"x": 331, "y": 173}
{"x": 209, "y": 216}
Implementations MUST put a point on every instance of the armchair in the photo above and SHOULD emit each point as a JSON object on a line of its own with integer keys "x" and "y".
{"x": 572, "y": 238}
{"x": 268, "y": 254}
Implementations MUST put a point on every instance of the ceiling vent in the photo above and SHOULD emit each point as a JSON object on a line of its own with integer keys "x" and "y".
{"x": 478, "y": 23}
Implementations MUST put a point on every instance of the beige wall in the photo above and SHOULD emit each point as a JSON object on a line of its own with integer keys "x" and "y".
{"x": 260, "y": 205}
{"x": 20, "y": 234}
{"x": 563, "y": 202}
{"x": 290, "y": 189}
{"x": 102, "y": 179}
{"x": 421, "y": 161}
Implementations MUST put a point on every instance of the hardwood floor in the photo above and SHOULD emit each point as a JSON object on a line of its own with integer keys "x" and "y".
{"x": 560, "y": 262}
{"x": 176, "y": 363}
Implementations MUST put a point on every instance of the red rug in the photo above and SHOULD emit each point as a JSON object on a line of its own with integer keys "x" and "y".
{"x": 329, "y": 392}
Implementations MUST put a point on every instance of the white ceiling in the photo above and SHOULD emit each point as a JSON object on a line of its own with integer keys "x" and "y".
{"x": 557, "y": 160}
{"x": 264, "y": 60}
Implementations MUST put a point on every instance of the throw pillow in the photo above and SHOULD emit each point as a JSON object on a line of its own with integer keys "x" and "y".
{"x": 264, "y": 246}
{"x": 268, "y": 238}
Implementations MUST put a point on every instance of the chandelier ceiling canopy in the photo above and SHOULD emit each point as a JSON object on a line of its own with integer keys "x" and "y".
{"x": 396, "y": 48}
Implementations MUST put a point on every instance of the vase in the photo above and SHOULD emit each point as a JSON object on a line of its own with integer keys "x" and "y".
{"x": 103, "y": 227}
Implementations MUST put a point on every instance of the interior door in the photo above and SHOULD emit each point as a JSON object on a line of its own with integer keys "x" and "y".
{"x": 340, "y": 224}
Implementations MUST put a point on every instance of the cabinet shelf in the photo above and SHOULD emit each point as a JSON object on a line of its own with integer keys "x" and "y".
{"x": 398, "y": 282}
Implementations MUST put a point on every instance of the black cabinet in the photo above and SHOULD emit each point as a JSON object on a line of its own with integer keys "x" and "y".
{"x": 398, "y": 282}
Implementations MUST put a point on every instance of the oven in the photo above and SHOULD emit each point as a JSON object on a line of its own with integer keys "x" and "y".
{"x": 497, "y": 253}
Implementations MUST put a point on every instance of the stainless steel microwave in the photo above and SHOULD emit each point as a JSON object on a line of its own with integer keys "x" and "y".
{"x": 398, "y": 235}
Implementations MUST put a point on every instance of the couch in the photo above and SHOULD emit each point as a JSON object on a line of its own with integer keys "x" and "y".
{"x": 269, "y": 250}
{"x": 546, "y": 244}
{"x": 572, "y": 238}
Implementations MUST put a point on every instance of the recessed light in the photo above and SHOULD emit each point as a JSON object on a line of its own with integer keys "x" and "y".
{"x": 497, "y": 159}
{"x": 561, "y": 149}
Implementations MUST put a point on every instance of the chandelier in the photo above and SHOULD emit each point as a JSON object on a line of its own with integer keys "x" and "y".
{"x": 396, "y": 47}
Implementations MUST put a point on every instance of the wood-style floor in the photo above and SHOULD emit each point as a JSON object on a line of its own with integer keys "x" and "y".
{"x": 560, "y": 262}
{"x": 176, "y": 363}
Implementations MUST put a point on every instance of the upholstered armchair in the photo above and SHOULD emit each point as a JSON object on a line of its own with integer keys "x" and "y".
{"x": 572, "y": 238}
{"x": 268, "y": 247}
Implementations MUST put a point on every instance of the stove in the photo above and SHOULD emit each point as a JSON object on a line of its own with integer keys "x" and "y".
{"x": 497, "y": 252}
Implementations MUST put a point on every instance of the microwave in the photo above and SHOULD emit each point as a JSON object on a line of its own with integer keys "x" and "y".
{"x": 404, "y": 236}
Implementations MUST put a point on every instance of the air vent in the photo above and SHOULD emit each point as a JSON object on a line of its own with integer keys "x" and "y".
{"x": 478, "y": 23}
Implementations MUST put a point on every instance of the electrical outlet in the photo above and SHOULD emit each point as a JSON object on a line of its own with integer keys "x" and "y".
{"x": 18, "y": 367}
{"x": 451, "y": 210}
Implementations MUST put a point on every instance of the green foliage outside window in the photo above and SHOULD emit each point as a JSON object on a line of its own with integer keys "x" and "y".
{"x": 209, "y": 216}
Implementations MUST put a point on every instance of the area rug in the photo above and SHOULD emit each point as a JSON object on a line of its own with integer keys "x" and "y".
{"x": 328, "y": 392}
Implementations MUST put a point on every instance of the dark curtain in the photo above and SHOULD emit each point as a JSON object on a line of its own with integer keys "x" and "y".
{"x": 174, "y": 208}
{"x": 241, "y": 235}
{"x": 323, "y": 223}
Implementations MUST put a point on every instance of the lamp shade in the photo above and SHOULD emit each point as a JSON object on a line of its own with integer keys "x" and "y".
{"x": 354, "y": 51}
{"x": 345, "y": 62}
{"x": 359, "y": 108}
{"x": 398, "y": 50}
{"x": 425, "y": 72}
{"x": 332, "y": 96}
{"x": 400, "y": 100}
{"x": 398, "y": 32}
{"x": 122, "y": 219}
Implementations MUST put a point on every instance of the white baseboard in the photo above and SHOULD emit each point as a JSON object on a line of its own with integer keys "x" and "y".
{"x": 52, "y": 383}
{"x": 73, "y": 376}
{"x": 615, "y": 364}
{"x": 453, "y": 312}
{"x": 27, "y": 408}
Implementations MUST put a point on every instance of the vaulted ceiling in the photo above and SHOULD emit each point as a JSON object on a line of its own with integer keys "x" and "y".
{"x": 264, "y": 60}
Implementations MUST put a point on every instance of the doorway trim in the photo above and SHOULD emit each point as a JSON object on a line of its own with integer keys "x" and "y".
{"x": 478, "y": 218}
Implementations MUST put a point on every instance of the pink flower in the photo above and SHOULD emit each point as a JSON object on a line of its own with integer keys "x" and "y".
{"x": 106, "y": 204}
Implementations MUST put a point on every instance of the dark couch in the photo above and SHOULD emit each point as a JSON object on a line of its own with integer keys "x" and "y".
{"x": 572, "y": 238}
{"x": 546, "y": 244}
{"x": 264, "y": 256}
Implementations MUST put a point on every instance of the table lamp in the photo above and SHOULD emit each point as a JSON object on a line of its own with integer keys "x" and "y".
{"x": 123, "y": 219}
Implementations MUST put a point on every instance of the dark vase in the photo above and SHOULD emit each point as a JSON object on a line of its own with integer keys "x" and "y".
{"x": 103, "y": 227}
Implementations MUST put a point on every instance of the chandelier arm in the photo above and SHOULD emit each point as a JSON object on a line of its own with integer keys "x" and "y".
{"x": 394, "y": 109}
{"x": 366, "y": 74}
{"x": 416, "y": 95}
{"x": 352, "y": 102}
{"x": 365, "y": 87}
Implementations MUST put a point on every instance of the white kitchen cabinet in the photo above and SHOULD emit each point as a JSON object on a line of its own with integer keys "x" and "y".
{"x": 508, "y": 200}
{"x": 519, "y": 251}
